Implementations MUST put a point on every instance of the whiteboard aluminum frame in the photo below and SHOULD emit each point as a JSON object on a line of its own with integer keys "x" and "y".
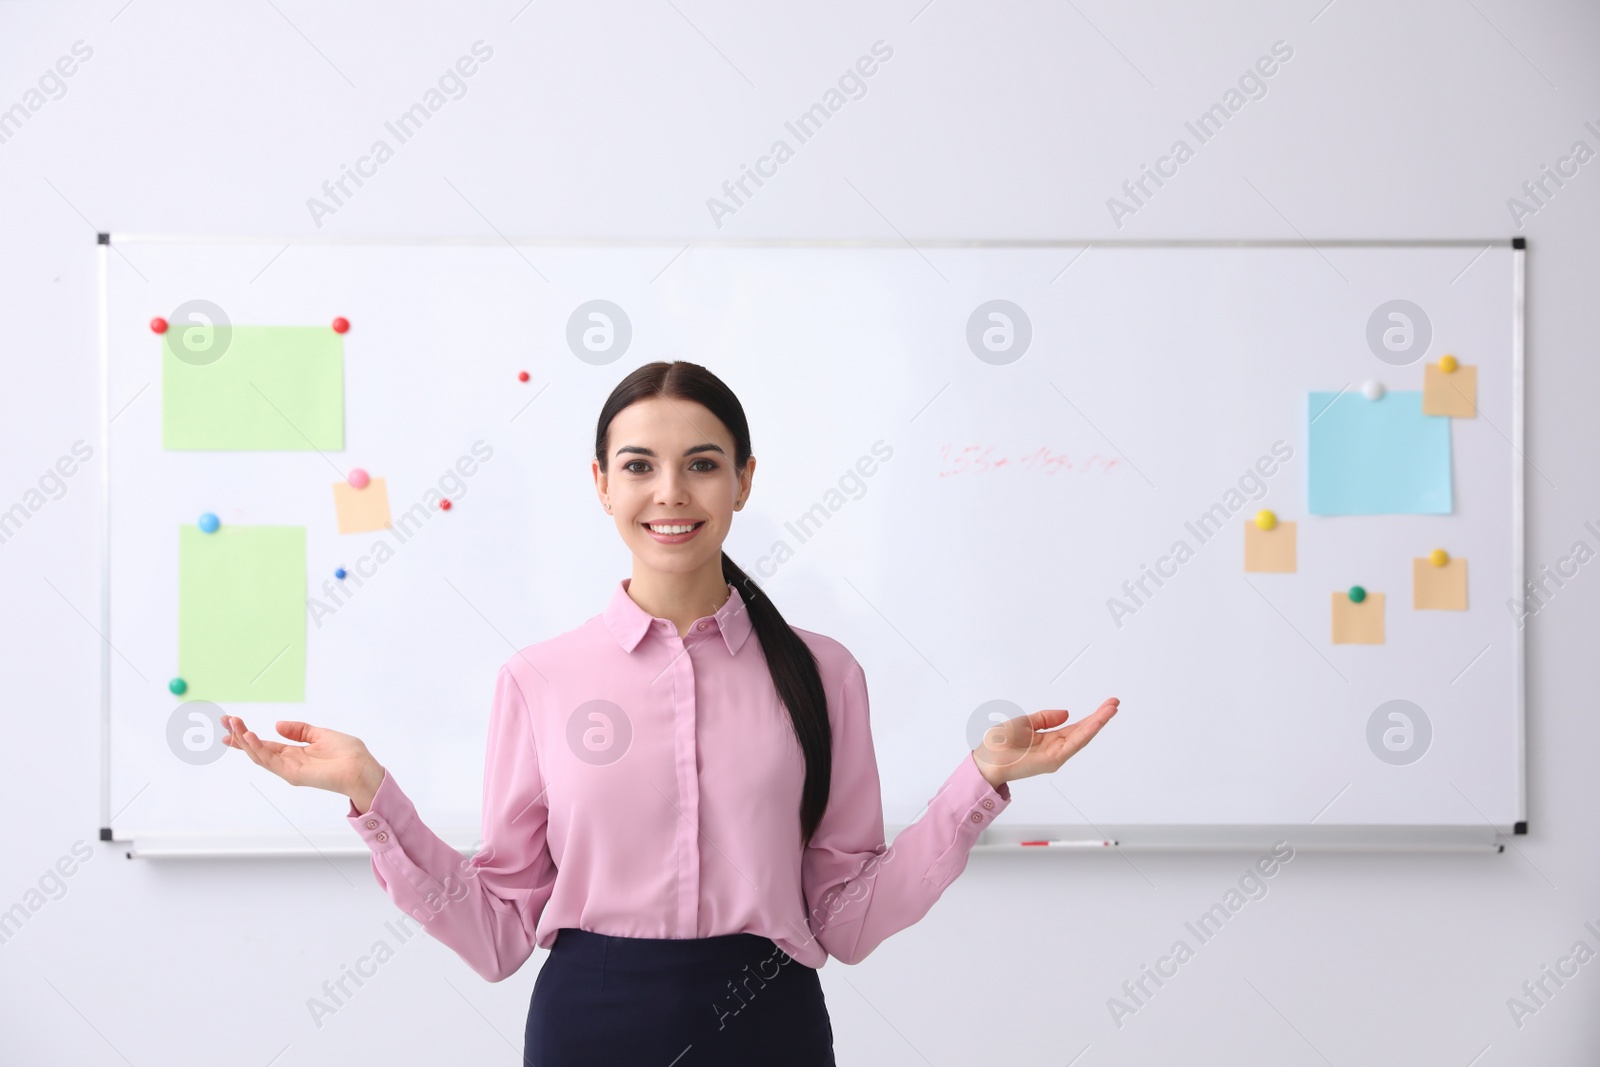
{"x": 1244, "y": 838}
{"x": 1183, "y": 837}
{"x": 1519, "y": 291}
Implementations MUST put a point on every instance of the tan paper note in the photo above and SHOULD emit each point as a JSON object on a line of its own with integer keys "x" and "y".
{"x": 361, "y": 510}
{"x": 1439, "y": 588}
{"x": 1269, "y": 550}
{"x": 1357, "y": 624}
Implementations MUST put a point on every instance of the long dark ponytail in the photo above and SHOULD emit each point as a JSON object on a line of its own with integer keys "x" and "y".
{"x": 793, "y": 667}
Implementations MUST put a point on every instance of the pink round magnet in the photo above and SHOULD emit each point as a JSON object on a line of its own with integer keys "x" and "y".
{"x": 358, "y": 478}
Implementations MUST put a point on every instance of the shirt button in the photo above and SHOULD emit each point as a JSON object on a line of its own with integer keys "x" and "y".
{"x": 988, "y": 803}
{"x": 702, "y": 626}
{"x": 977, "y": 816}
{"x": 372, "y": 824}
{"x": 383, "y": 835}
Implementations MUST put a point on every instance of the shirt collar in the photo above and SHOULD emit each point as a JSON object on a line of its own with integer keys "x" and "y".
{"x": 628, "y": 622}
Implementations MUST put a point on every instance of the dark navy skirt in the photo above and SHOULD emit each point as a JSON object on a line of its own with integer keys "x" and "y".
{"x": 728, "y": 1001}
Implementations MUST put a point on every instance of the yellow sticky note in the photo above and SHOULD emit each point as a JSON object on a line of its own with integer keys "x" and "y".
{"x": 1454, "y": 394}
{"x": 1357, "y": 624}
{"x": 1440, "y": 588}
{"x": 1269, "y": 550}
{"x": 361, "y": 509}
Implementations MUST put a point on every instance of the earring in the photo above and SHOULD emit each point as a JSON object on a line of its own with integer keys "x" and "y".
{"x": 608, "y": 508}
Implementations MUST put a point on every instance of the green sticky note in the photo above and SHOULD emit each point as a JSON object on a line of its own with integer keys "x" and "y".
{"x": 274, "y": 388}
{"x": 242, "y": 613}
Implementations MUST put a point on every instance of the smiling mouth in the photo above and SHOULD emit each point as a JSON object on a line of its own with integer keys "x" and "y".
{"x": 671, "y": 528}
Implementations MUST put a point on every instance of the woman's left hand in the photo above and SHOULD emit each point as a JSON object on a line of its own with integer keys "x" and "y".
{"x": 1030, "y": 744}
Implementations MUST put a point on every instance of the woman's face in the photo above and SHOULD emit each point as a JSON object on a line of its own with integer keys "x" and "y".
{"x": 671, "y": 463}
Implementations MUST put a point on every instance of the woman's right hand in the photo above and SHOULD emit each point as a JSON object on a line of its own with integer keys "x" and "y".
{"x": 328, "y": 760}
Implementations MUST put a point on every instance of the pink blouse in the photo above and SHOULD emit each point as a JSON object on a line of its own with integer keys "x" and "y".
{"x": 640, "y": 784}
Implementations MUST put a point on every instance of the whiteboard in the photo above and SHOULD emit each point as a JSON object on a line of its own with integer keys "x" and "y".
{"x": 1013, "y": 492}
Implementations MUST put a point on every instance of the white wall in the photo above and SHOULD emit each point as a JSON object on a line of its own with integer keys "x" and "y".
{"x": 997, "y": 120}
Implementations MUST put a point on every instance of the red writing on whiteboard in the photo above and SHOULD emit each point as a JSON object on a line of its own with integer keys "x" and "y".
{"x": 985, "y": 459}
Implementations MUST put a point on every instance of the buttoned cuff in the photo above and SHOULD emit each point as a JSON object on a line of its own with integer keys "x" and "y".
{"x": 391, "y": 812}
{"x": 969, "y": 798}
{"x": 983, "y": 801}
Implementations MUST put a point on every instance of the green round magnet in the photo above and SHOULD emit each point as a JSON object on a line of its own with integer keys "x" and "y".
{"x": 1357, "y": 594}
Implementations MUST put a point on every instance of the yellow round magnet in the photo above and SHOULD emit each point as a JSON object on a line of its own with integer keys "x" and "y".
{"x": 1438, "y": 557}
{"x": 1448, "y": 364}
{"x": 1265, "y": 519}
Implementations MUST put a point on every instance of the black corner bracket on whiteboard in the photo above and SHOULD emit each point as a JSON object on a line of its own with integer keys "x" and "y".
{"x": 1519, "y": 242}
{"x": 1521, "y": 827}
{"x": 105, "y": 239}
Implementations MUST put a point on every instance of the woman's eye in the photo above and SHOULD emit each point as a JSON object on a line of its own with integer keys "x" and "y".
{"x": 710, "y": 465}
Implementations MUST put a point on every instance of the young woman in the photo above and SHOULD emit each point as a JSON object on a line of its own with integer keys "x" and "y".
{"x": 681, "y": 797}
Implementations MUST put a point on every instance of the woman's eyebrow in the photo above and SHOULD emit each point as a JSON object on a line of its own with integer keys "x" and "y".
{"x": 643, "y": 451}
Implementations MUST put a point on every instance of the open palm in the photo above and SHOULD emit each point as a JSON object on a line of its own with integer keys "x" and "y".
{"x": 328, "y": 760}
{"x": 1031, "y": 744}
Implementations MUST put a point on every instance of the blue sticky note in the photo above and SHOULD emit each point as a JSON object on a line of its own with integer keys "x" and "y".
{"x": 1377, "y": 457}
